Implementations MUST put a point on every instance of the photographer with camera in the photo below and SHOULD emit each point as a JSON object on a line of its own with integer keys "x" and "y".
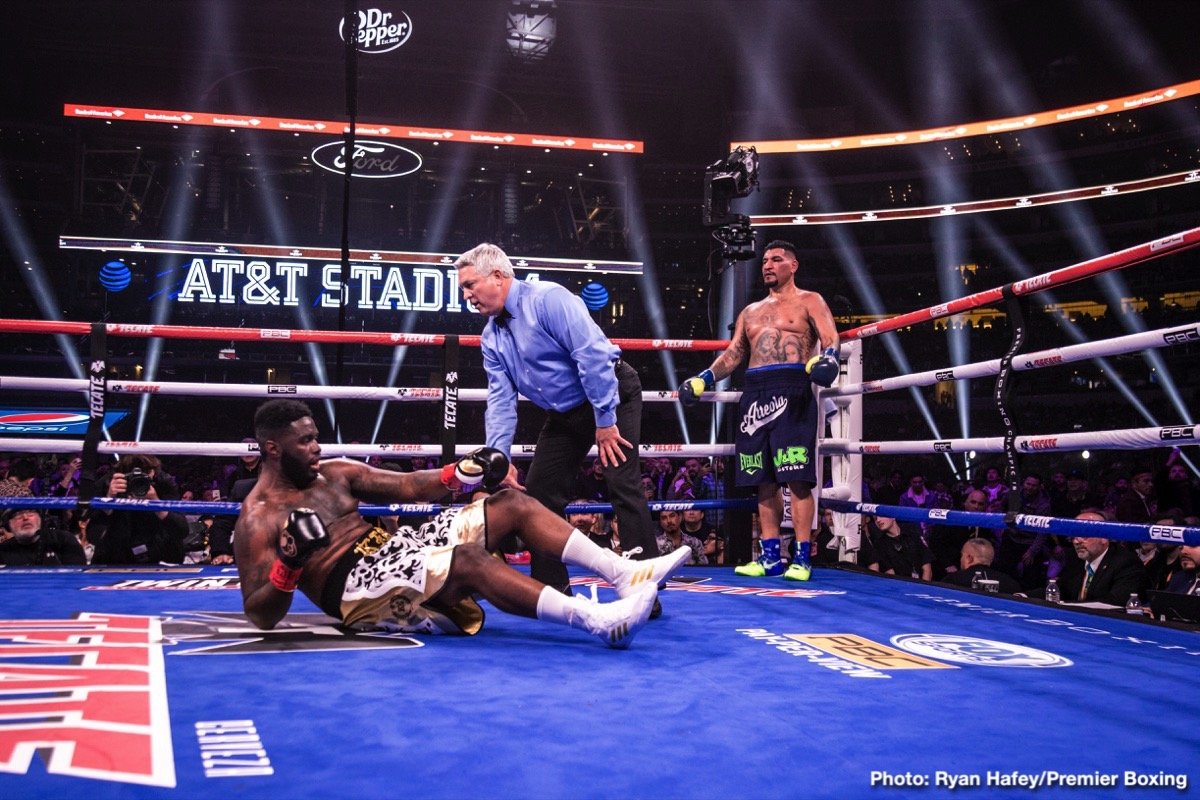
{"x": 139, "y": 537}
{"x": 36, "y": 542}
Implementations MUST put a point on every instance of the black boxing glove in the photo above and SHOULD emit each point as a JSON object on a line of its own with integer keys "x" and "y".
{"x": 690, "y": 390}
{"x": 303, "y": 535}
{"x": 824, "y": 369}
{"x": 484, "y": 466}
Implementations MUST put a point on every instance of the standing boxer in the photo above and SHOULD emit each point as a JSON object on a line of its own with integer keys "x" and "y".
{"x": 791, "y": 341}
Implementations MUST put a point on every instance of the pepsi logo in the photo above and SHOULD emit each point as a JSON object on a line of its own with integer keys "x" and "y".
{"x": 43, "y": 422}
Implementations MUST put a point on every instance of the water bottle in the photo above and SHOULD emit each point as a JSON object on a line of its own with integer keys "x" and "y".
{"x": 975, "y": 581}
{"x": 1134, "y": 605}
{"x": 1052, "y": 593}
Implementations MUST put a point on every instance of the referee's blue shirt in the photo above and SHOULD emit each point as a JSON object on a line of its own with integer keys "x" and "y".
{"x": 548, "y": 349}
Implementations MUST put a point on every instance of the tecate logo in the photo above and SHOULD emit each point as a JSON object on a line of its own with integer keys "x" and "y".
{"x": 379, "y": 31}
{"x": 976, "y": 652}
{"x": 1032, "y": 284}
{"x": 371, "y": 159}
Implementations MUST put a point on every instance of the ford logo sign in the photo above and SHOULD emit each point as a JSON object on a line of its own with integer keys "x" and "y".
{"x": 370, "y": 159}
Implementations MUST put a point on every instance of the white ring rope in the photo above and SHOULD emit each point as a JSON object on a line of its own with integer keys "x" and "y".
{"x": 299, "y": 391}
{"x": 1163, "y": 337}
{"x": 1123, "y": 439}
{"x": 234, "y": 449}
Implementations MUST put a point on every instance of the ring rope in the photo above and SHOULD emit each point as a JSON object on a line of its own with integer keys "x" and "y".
{"x": 229, "y": 449}
{"x": 1051, "y": 357}
{"x": 1120, "y": 439}
{"x": 1121, "y": 259}
{"x": 226, "y": 508}
{"x": 1030, "y": 522}
{"x": 305, "y": 391}
{"x": 1127, "y": 531}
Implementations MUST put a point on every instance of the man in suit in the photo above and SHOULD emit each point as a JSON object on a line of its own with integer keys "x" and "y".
{"x": 1187, "y": 579}
{"x": 975, "y": 561}
{"x": 1105, "y": 571}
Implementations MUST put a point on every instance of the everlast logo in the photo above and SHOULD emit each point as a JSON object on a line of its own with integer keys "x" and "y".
{"x": 96, "y": 390}
{"x": 1182, "y": 337}
{"x": 942, "y": 447}
{"x": 1180, "y": 432}
{"x": 945, "y": 375}
{"x": 280, "y": 389}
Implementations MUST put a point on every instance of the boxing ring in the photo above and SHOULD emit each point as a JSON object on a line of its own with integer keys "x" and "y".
{"x": 149, "y": 682}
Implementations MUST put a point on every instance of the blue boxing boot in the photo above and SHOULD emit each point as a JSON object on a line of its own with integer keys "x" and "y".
{"x": 768, "y": 564}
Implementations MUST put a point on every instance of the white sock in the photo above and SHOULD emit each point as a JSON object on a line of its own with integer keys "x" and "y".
{"x": 583, "y": 552}
{"x": 554, "y": 606}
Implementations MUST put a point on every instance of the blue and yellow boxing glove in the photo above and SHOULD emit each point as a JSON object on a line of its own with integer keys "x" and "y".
{"x": 690, "y": 390}
{"x": 823, "y": 369}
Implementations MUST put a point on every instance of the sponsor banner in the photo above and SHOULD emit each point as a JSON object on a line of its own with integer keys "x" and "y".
{"x": 1008, "y": 124}
{"x": 51, "y": 422}
{"x": 386, "y": 130}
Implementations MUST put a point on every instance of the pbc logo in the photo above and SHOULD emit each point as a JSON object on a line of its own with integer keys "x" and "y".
{"x": 1164, "y": 533}
{"x": 280, "y": 389}
{"x": 1179, "y": 432}
{"x": 942, "y": 447}
{"x": 937, "y": 513}
{"x": 946, "y": 375}
{"x": 1182, "y": 337}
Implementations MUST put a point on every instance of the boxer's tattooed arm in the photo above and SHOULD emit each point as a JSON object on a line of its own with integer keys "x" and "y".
{"x": 735, "y": 354}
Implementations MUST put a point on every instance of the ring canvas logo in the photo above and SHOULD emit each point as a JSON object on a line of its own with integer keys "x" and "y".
{"x": 371, "y": 159}
{"x": 976, "y": 652}
{"x": 859, "y": 657}
{"x": 88, "y": 695}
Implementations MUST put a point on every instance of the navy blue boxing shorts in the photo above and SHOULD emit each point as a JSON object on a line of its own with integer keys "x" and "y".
{"x": 777, "y": 436}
